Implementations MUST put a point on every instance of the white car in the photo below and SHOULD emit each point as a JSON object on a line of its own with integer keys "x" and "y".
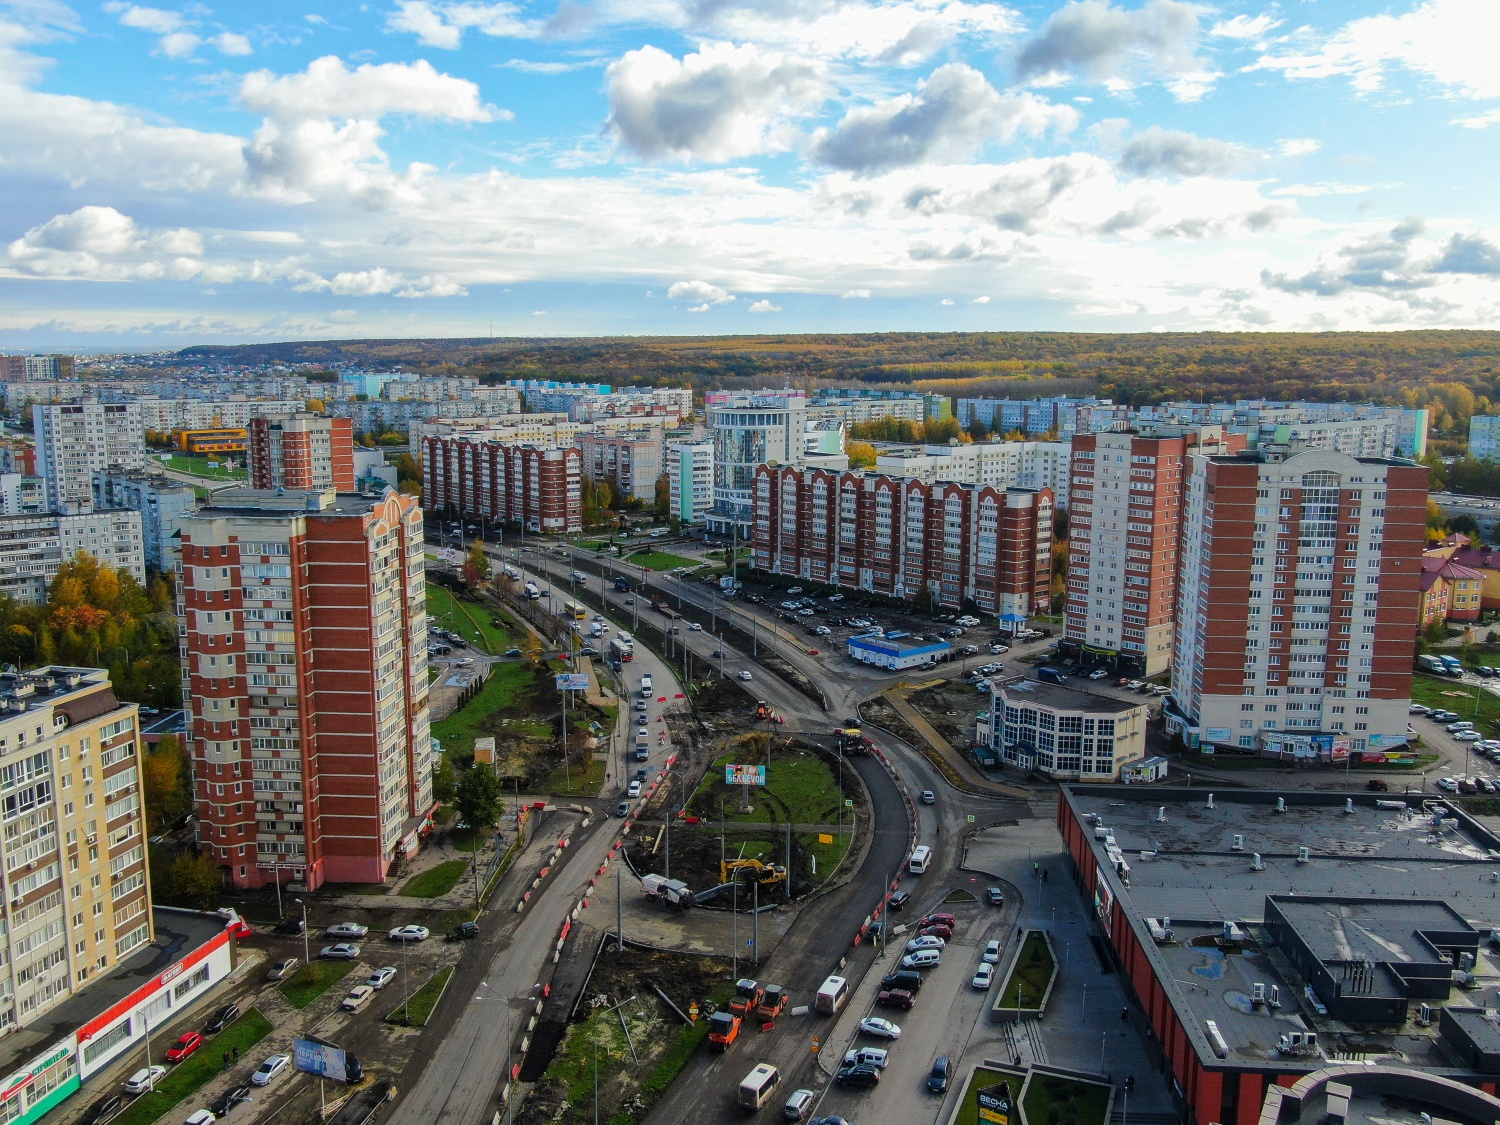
{"x": 874, "y": 1025}
{"x": 823, "y": 631}
{"x": 358, "y": 997}
{"x": 694, "y": 627}
{"x": 926, "y": 941}
{"x": 270, "y": 1070}
{"x": 992, "y": 953}
{"x": 200, "y": 1117}
{"x": 352, "y": 930}
{"x": 984, "y": 975}
{"x": 1098, "y": 673}
{"x": 1467, "y": 736}
{"x": 794, "y": 589}
{"x": 408, "y": 933}
{"x": 867, "y": 1056}
{"x": 1447, "y": 784}
{"x": 143, "y": 1080}
{"x": 344, "y": 951}
{"x": 634, "y": 789}
{"x": 745, "y": 675}
{"x": 381, "y": 977}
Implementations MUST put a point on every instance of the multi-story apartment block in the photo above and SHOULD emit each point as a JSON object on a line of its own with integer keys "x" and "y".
{"x": 35, "y": 368}
{"x": 867, "y": 405}
{"x": 541, "y": 489}
{"x": 631, "y": 462}
{"x": 1000, "y": 464}
{"x": 1484, "y": 437}
{"x": 302, "y": 452}
{"x": 304, "y": 654}
{"x": 378, "y": 414}
{"x": 77, "y": 896}
{"x": 544, "y": 431}
{"x": 690, "y": 479}
{"x": 500, "y": 400}
{"x": 33, "y": 548}
{"x": 18, "y": 457}
{"x": 162, "y": 502}
{"x": 948, "y": 542}
{"x": 1125, "y": 541}
{"x": 168, "y": 415}
{"x": 749, "y": 430}
{"x": 21, "y": 494}
{"x": 1299, "y": 601}
{"x": 77, "y": 439}
{"x": 1036, "y": 416}
{"x": 588, "y": 402}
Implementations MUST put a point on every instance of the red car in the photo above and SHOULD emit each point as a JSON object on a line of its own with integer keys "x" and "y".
{"x": 943, "y": 932}
{"x": 940, "y": 920}
{"x": 185, "y": 1046}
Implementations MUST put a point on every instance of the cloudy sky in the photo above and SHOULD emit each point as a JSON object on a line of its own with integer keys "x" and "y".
{"x": 178, "y": 174}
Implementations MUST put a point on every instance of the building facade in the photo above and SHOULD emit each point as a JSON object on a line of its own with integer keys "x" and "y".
{"x": 690, "y": 480}
{"x": 1484, "y": 437}
{"x": 1299, "y": 600}
{"x": 75, "y": 440}
{"x": 162, "y": 502}
{"x": 748, "y": 431}
{"x": 1125, "y": 539}
{"x": 630, "y": 462}
{"x": 34, "y": 547}
{"x": 302, "y": 452}
{"x": 304, "y": 652}
{"x": 1063, "y": 733}
{"x": 165, "y": 415}
{"x": 78, "y": 899}
{"x": 946, "y": 542}
{"x": 1000, "y": 464}
{"x": 540, "y": 489}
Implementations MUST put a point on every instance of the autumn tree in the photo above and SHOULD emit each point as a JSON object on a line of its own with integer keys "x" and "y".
{"x": 195, "y": 880}
{"x": 531, "y": 651}
{"x": 861, "y": 454}
{"x": 476, "y": 566}
{"x": 165, "y": 781}
{"x": 663, "y": 498}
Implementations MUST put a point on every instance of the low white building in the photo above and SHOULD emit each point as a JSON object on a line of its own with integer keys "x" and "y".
{"x": 1065, "y": 733}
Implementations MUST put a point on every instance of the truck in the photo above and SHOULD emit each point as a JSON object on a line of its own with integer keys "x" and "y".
{"x": 1453, "y": 664}
{"x": 659, "y": 603}
{"x": 621, "y": 652}
{"x": 672, "y": 892}
{"x": 531, "y": 591}
{"x": 729, "y": 587}
{"x": 658, "y": 532}
{"x": 773, "y": 1004}
{"x": 747, "y": 997}
{"x": 723, "y": 1029}
{"x": 1433, "y": 664}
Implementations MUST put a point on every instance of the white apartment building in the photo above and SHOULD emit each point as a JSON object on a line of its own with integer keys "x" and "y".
{"x": 630, "y": 462}
{"x": 73, "y": 864}
{"x": 545, "y": 431}
{"x": 167, "y": 414}
{"x": 852, "y": 410}
{"x": 75, "y": 440}
{"x": 690, "y": 476}
{"x": 1484, "y": 437}
{"x": 1299, "y": 602}
{"x": 163, "y": 503}
{"x": 33, "y": 547}
{"x": 1000, "y": 464}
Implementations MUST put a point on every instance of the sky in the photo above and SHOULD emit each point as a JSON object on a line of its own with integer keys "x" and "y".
{"x": 247, "y": 172}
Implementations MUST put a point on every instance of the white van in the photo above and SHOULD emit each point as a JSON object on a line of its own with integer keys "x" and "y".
{"x": 922, "y": 959}
{"x": 831, "y": 995}
{"x": 646, "y": 683}
{"x": 920, "y": 857}
{"x": 758, "y": 1086}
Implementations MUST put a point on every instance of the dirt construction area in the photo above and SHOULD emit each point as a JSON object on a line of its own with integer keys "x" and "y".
{"x": 951, "y": 707}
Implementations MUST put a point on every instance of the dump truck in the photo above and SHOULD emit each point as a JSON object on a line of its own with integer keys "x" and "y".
{"x": 723, "y": 1029}
{"x": 747, "y": 997}
{"x": 673, "y": 892}
{"x": 773, "y": 1003}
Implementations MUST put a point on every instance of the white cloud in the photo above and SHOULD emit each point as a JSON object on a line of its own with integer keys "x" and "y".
{"x": 1119, "y": 47}
{"x": 1450, "y": 41}
{"x": 720, "y": 103}
{"x": 764, "y": 306}
{"x": 230, "y": 43}
{"x": 328, "y": 88}
{"x": 703, "y": 308}
{"x": 856, "y": 294}
{"x": 980, "y": 300}
{"x": 1299, "y": 146}
{"x": 441, "y": 24}
{"x": 953, "y": 114}
{"x": 178, "y": 36}
{"x": 700, "y": 291}
{"x": 1245, "y": 27}
{"x": 1326, "y": 187}
{"x": 1480, "y": 121}
{"x": 105, "y": 244}
{"x": 946, "y": 301}
{"x": 1157, "y": 151}
{"x": 155, "y": 20}
{"x": 381, "y": 281}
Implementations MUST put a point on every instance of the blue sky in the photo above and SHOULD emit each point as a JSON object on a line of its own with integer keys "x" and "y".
{"x": 177, "y": 174}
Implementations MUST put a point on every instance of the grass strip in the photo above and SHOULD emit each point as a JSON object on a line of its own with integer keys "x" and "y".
{"x": 423, "y": 1001}
{"x": 187, "y": 1077}
{"x": 435, "y": 881}
{"x": 1028, "y": 979}
{"x": 311, "y": 981}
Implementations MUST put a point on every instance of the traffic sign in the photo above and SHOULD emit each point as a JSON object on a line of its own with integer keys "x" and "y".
{"x": 848, "y": 802}
{"x": 970, "y": 818}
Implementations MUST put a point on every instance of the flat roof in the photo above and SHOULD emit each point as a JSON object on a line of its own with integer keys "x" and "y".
{"x": 1480, "y": 1029}
{"x": 1374, "y": 929}
{"x": 1059, "y": 697}
{"x": 178, "y": 933}
{"x": 899, "y": 645}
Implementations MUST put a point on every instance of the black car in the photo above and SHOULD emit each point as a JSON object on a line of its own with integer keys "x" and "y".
{"x": 937, "y": 1081}
{"x": 464, "y": 931}
{"x": 229, "y": 1099}
{"x": 996, "y": 896}
{"x": 105, "y": 1109}
{"x": 862, "y": 1077}
{"x": 900, "y": 899}
{"x": 907, "y": 980}
{"x": 221, "y": 1019}
{"x": 290, "y": 927}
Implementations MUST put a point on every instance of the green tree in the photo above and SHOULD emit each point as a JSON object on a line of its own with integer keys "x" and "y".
{"x": 407, "y": 468}
{"x": 444, "y": 782}
{"x": 663, "y": 498}
{"x": 978, "y": 430}
{"x": 476, "y": 566}
{"x": 165, "y": 783}
{"x": 478, "y": 796}
{"x": 195, "y": 880}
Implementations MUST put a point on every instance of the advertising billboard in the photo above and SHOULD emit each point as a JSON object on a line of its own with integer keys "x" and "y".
{"x": 994, "y": 1104}
{"x": 573, "y": 681}
{"x": 320, "y": 1059}
{"x": 744, "y": 775}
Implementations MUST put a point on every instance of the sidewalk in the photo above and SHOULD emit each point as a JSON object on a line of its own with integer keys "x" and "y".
{"x": 956, "y": 767}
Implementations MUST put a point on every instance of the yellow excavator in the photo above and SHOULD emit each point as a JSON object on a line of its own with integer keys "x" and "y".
{"x": 767, "y": 874}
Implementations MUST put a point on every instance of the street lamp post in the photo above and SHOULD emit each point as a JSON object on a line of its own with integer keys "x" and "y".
{"x": 306, "y": 938}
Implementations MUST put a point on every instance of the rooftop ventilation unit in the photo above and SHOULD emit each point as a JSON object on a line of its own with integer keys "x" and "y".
{"x": 1210, "y": 800}
{"x": 1349, "y": 806}
{"x": 1258, "y": 993}
{"x": 1281, "y": 804}
{"x": 1216, "y": 1040}
{"x": 1256, "y": 863}
{"x": 1304, "y": 855}
{"x": 1161, "y": 814}
{"x": 1237, "y": 844}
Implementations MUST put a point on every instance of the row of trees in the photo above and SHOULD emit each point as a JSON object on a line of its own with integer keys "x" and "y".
{"x": 934, "y": 431}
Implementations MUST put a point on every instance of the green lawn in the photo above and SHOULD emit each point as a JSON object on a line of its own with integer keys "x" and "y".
{"x": 311, "y": 981}
{"x": 660, "y": 560}
{"x": 186, "y": 1078}
{"x": 1028, "y": 981}
{"x": 423, "y": 1000}
{"x": 198, "y": 466}
{"x": 1063, "y": 1101}
{"x": 437, "y": 880}
{"x": 468, "y": 618}
{"x": 1451, "y": 695}
{"x": 506, "y": 684}
{"x": 585, "y": 780}
{"x": 804, "y": 787}
{"x": 982, "y": 1079}
{"x": 827, "y": 855}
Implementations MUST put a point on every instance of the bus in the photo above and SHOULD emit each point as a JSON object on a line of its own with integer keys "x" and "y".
{"x": 620, "y": 651}
{"x": 831, "y": 995}
{"x": 576, "y": 611}
{"x": 759, "y": 1085}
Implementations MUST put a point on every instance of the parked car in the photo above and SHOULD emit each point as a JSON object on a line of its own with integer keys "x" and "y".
{"x": 798, "y": 1104}
{"x": 221, "y": 1018}
{"x": 270, "y": 1070}
{"x": 937, "y": 1079}
{"x": 895, "y": 998}
{"x": 290, "y": 926}
{"x": 926, "y": 941}
{"x": 984, "y": 976}
{"x": 883, "y": 1028}
{"x": 900, "y": 899}
{"x": 344, "y": 951}
{"x": 358, "y": 997}
{"x": 464, "y": 931}
{"x": 235, "y": 1095}
{"x": 1098, "y": 673}
{"x": 991, "y": 953}
{"x": 904, "y": 979}
{"x": 104, "y": 1110}
{"x": 144, "y": 1079}
{"x": 282, "y": 969}
{"x": 409, "y": 933}
{"x": 200, "y": 1117}
{"x": 381, "y": 977}
{"x": 936, "y": 931}
{"x": 867, "y": 1056}
{"x": 352, "y": 930}
{"x": 862, "y": 1077}
{"x": 940, "y": 918}
{"x": 184, "y": 1045}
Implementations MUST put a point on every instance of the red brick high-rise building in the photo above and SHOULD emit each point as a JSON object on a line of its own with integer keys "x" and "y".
{"x": 538, "y": 488}
{"x": 304, "y": 651}
{"x": 900, "y": 537}
{"x": 302, "y": 451}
